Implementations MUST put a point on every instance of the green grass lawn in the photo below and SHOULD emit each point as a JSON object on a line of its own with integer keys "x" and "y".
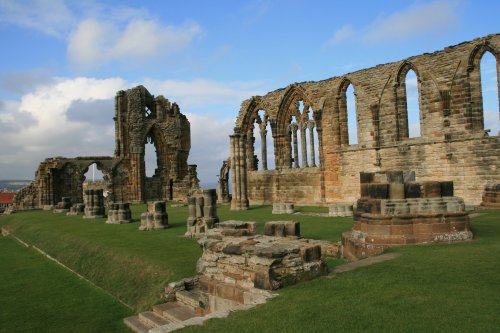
{"x": 430, "y": 288}
{"x": 37, "y": 295}
{"x": 135, "y": 265}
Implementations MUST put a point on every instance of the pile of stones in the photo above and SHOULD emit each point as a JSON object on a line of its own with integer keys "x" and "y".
{"x": 235, "y": 255}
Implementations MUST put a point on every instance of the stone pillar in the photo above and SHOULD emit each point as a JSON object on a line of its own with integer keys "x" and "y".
{"x": 294, "y": 128}
{"x": 303, "y": 143}
{"x": 156, "y": 217}
{"x": 310, "y": 126}
{"x": 119, "y": 213}
{"x": 202, "y": 212}
{"x": 250, "y": 158}
{"x": 94, "y": 204}
{"x": 243, "y": 177}
{"x": 263, "y": 134}
{"x": 238, "y": 163}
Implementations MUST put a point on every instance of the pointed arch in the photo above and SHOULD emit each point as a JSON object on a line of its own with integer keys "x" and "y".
{"x": 297, "y": 122}
{"x": 347, "y": 113}
{"x": 476, "y": 114}
{"x": 403, "y": 117}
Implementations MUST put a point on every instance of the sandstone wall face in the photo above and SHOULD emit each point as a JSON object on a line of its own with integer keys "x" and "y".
{"x": 139, "y": 118}
{"x": 453, "y": 143}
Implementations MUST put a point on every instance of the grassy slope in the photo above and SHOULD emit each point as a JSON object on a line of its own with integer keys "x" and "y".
{"x": 430, "y": 288}
{"x": 134, "y": 265}
{"x": 38, "y": 295}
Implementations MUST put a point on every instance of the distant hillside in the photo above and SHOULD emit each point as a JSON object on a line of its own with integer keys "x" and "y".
{"x": 12, "y": 185}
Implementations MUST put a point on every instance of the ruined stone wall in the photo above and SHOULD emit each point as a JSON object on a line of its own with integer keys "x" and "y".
{"x": 453, "y": 144}
{"x": 139, "y": 118}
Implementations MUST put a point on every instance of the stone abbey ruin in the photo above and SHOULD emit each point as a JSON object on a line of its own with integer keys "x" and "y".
{"x": 324, "y": 168}
{"x": 405, "y": 190}
{"x": 139, "y": 118}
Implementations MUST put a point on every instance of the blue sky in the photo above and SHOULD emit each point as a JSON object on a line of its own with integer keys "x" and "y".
{"x": 63, "y": 61}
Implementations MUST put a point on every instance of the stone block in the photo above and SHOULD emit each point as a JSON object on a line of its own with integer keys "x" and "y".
{"x": 396, "y": 191}
{"x": 431, "y": 189}
{"x": 282, "y": 228}
{"x": 375, "y": 191}
{"x": 447, "y": 189}
{"x": 413, "y": 190}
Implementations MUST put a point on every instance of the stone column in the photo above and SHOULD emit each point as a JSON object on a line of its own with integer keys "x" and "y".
{"x": 303, "y": 143}
{"x": 310, "y": 126}
{"x": 294, "y": 128}
{"x": 239, "y": 165}
{"x": 243, "y": 176}
{"x": 263, "y": 134}
{"x": 235, "y": 185}
{"x": 250, "y": 151}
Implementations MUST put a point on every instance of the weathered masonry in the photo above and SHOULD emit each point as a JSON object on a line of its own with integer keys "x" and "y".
{"x": 292, "y": 145}
{"x": 139, "y": 118}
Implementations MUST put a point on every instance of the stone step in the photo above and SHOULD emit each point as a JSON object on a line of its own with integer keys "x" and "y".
{"x": 177, "y": 312}
{"x": 160, "y": 308}
{"x": 153, "y": 319}
{"x": 136, "y": 324}
{"x": 193, "y": 298}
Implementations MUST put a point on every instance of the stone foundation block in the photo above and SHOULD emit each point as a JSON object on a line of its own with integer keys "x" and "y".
{"x": 282, "y": 228}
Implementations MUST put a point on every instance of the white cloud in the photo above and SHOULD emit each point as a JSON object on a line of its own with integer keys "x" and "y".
{"x": 492, "y": 122}
{"x": 341, "y": 34}
{"x": 61, "y": 119}
{"x": 419, "y": 19}
{"x": 201, "y": 92}
{"x": 209, "y": 145}
{"x": 51, "y": 17}
{"x": 96, "y": 42}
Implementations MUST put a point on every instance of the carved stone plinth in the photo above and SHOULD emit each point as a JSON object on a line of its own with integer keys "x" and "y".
{"x": 340, "y": 209}
{"x": 156, "y": 217}
{"x": 76, "y": 209}
{"x": 491, "y": 196}
{"x": 119, "y": 213}
{"x": 283, "y": 208}
{"x": 393, "y": 212}
{"x": 202, "y": 212}
{"x": 94, "y": 204}
{"x": 282, "y": 229}
{"x": 63, "y": 206}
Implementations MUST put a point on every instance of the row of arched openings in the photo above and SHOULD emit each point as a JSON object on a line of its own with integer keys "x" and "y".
{"x": 409, "y": 102}
{"x": 302, "y": 145}
{"x": 303, "y": 138}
